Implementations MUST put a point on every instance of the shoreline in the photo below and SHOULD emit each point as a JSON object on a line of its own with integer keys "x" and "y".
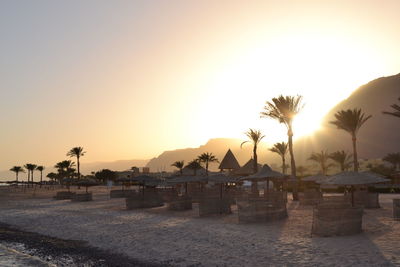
{"x": 62, "y": 252}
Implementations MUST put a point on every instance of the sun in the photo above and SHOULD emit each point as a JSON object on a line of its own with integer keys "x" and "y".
{"x": 323, "y": 69}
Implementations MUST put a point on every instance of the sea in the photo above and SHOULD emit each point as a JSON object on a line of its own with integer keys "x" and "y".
{"x": 10, "y": 257}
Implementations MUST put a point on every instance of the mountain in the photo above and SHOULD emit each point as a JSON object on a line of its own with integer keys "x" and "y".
{"x": 377, "y": 137}
{"x": 217, "y": 146}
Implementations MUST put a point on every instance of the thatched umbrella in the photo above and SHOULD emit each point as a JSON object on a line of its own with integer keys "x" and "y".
{"x": 86, "y": 182}
{"x": 146, "y": 180}
{"x": 185, "y": 179}
{"x": 222, "y": 179}
{"x": 68, "y": 181}
{"x": 266, "y": 173}
{"x": 315, "y": 178}
{"x": 352, "y": 179}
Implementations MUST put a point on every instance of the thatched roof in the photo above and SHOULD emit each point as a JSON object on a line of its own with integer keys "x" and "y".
{"x": 315, "y": 178}
{"x": 265, "y": 173}
{"x": 146, "y": 180}
{"x": 229, "y": 162}
{"x": 187, "y": 179}
{"x": 247, "y": 168}
{"x": 221, "y": 178}
{"x": 354, "y": 178}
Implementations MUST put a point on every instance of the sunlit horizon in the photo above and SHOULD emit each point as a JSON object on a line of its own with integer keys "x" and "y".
{"x": 129, "y": 80}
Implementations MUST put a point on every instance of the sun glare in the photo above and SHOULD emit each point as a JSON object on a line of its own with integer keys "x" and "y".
{"x": 323, "y": 69}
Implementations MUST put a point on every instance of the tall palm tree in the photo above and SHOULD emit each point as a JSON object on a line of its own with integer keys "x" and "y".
{"x": 40, "y": 168}
{"x": 322, "y": 159}
{"x": 351, "y": 121}
{"x": 194, "y": 165}
{"x": 179, "y": 165}
{"x": 284, "y": 109}
{"x": 64, "y": 167}
{"x": 30, "y": 168}
{"x": 281, "y": 149}
{"x": 393, "y": 158}
{"x": 78, "y": 153}
{"x": 207, "y": 158}
{"x": 255, "y": 137}
{"x": 396, "y": 111}
{"x": 342, "y": 158}
{"x": 17, "y": 170}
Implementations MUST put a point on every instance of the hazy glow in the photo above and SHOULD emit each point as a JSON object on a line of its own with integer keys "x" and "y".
{"x": 130, "y": 79}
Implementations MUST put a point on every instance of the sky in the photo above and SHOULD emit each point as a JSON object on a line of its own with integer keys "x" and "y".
{"x": 130, "y": 79}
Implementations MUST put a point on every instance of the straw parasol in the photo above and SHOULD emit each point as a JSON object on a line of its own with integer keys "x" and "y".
{"x": 221, "y": 179}
{"x": 247, "y": 168}
{"x": 229, "y": 162}
{"x": 315, "y": 178}
{"x": 266, "y": 173}
{"x": 185, "y": 179}
{"x": 87, "y": 182}
{"x": 351, "y": 178}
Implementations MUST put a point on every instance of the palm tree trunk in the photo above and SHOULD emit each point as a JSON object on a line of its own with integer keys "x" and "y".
{"x": 41, "y": 174}
{"x": 283, "y": 165}
{"x": 254, "y": 186}
{"x": 78, "y": 165}
{"x": 293, "y": 165}
{"x": 207, "y": 168}
{"x": 355, "y": 158}
{"x": 16, "y": 177}
{"x": 32, "y": 178}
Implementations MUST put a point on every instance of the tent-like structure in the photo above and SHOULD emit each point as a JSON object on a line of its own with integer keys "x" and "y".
{"x": 315, "y": 178}
{"x": 247, "y": 169}
{"x": 229, "y": 162}
{"x": 266, "y": 173}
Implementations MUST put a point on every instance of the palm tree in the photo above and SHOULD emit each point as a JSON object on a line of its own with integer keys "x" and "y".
{"x": 77, "y": 152}
{"x": 40, "y": 168}
{"x": 351, "y": 121}
{"x": 342, "y": 158}
{"x": 284, "y": 109}
{"x": 194, "y": 165}
{"x": 255, "y": 137}
{"x": 179, "y": 165}
{"x": 322, "y": 160}
{"x": 17, "y": 169}
{"x": 301, "y": 170}
{"x": 64, "y": 167}
{"x": 52, "y": 176}
{"x": 396, "y": 111}
{"x": 30, "y": 168}
{"x": 281, "y": 149}
{"x": 207, "y": 158}
{"x": 393, "y": 158}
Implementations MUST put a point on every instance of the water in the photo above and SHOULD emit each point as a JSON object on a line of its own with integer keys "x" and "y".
{"x": 12, "y": 258}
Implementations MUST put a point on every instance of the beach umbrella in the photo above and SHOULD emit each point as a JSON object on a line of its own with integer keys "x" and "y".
{"x": 266, "y": 173}
{"x": 185, "y": 179}
{"x": 351, "y": 178}
{"x": 146, "y": 180}
{"x": 86, "y": 183}
{"x": 315, "y": 178}
{"x": 222, "y": 179}
{"x": 68, "y": 181}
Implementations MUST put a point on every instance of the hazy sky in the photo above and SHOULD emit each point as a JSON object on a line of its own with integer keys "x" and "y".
{"x": 130, "y": 79}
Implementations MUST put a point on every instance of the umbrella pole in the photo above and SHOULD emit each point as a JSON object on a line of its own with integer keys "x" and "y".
{"x": 352, "y": 196}
{"x": 220, "y": 190}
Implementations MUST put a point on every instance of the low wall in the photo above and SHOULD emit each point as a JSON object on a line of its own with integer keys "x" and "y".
{"x": 277, "y": 198}
{"x": 209, "y": 205}
{"x": 396, "y": 209}
{"x": 140, "y": 201}
{"x": 167, "y": 194}
{"x": 335, "y": 219}
{"x": 310, "y": 198}
{"x": 64, "y": 195}
{"x": 180, "y": 203}
{"x": 255, "y": 210}
{"x": 121, "y": 193}
{"x": 370, "y": 200}
{"x": 82, "y": 197}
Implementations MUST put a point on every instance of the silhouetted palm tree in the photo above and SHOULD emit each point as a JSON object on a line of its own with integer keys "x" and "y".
{"x": 52, "y": 176}
{"x": 194, "y": 165}
{"x": 30, "y": 168}
{"x": 301, "y": 170}
{"x": 65, "y": 167}
{"x": 40, "y": 168}
{"x": 393, "y": 158}
{"x": 17, "y": 170}
{"x": 396, "y": 111}
{"x": 179, "y": 165}
{"x": 322, "y": 159}
{"x": 207, "y": 158}
{"x": 281, "y": 149}
{"x": 284, "y": 109}
{"x": 351, "y": 121}
{"x": 77, "y": 152}
{"x": 255, "y": 137}
{"x": 342, "y": 158}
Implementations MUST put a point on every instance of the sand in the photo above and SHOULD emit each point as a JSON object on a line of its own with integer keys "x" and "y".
{"x": 183, "y": 239}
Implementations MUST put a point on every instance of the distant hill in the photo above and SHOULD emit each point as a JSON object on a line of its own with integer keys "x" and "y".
{"x": 377, "y": 137}
{"x": 217, "y": 146}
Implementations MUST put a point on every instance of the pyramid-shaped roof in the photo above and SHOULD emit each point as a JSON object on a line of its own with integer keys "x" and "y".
{"x": 229, "y": 162}
{"x": 265, "y": 173}
{"x": 247, "y": 168}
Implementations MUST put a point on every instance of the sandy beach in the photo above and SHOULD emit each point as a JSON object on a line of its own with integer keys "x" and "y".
{"x": 163, "y": 237}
